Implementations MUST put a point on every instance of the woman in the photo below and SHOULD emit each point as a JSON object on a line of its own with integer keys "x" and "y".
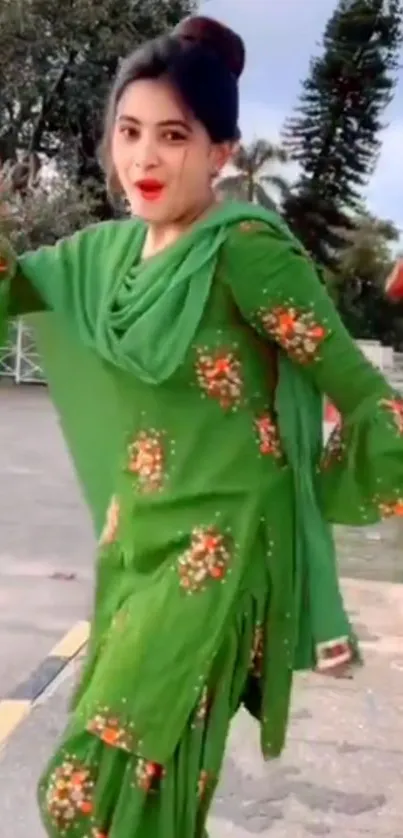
{"x": 186, "y": 350}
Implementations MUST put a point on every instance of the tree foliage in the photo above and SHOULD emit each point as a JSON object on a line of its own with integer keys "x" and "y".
{"x": 358, "y": 285}
{"x": 45, "y": 212}
{"x": 334, "y": 135}
{"x": 254, "y": 178}
{"x": 56, "y": 66}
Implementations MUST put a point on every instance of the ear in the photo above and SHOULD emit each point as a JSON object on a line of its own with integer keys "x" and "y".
{"x": 221, "y": 155}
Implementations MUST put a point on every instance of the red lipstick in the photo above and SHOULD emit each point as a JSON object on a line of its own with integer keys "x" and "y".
{"x": 150, "y": 188}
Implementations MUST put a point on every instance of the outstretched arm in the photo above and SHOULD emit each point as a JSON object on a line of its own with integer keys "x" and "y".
{"x": 279, "y": 293}
{"x": 51, "y": 277}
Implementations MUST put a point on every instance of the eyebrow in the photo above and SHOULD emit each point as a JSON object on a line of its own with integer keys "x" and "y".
{"x": 165, "y": 123}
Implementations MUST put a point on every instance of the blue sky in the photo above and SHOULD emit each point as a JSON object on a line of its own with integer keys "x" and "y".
{"x": 280, "y": 38}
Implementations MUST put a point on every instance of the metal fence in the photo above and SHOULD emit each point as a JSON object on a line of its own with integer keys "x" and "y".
{"x": 19, "y": 360}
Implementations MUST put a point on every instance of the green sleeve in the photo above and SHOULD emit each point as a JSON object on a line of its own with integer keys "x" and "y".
{"x": 52, "y": 277}
{"x": 277, "y": 290}
{"x": 62, "y": 275}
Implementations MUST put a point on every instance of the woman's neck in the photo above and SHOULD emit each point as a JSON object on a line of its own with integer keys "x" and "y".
{"x": 160, "y": 236}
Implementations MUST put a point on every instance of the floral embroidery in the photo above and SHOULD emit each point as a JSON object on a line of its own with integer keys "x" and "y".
{"x": 146, "y": 460}
{"x": 148, "y": 775}
{"x": 335, "y": 447}
{"x": 109, "y": 532}
{"x": 203, "y": 706}
{"x": 220, "y": 376}
{"x": 203, "y": 784}
{"x": 112, "y": 732}
{"x": 69, "y": 793}
{"x": 251, "y": 226}
{"x": 257, "y": 652}
{"x": 390, "y": 508}
{"x": 296, "y": 331}
{"x": 207, "y": 558}
{"x": 333, "y": 653}
{"x": 395, "y": 406}
{"x": 269, "y": 440}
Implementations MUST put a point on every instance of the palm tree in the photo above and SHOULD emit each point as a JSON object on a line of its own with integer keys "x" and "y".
{"x": 252, "y": 176}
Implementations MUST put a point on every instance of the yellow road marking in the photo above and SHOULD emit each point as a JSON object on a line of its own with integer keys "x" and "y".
{"x": 72, "y": 642}
{"x": 12, "y": 713}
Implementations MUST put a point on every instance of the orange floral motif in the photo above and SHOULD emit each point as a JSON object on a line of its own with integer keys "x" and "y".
{"x": 257, "y": 652}
{"x": 395, "y": 406}
{"x": 146, "y": 460}
{"x": 252, "y": 226}
{"x": 220, "y": 376}
{"x": 69, "y": 794}
{"x": 335, "y": 447}
{"x": 203, "y": 784}
{"x": 296, "y": 331}
{"x": 390, "y": 508}
{"x": 110, "y": 530}
{"x": 3, "y": 265}
{"x": 112, "y": 732}
{"x": 207, "y": 558}
{"x": 269, "y": 440}
{"x": 148, "y": 775}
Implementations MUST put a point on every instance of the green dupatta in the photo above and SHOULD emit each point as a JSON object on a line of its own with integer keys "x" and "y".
{"x": 143, "y": 325}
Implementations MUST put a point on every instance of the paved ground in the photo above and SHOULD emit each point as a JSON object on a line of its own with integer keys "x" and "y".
{"x": 46, "y": 544}
{"x": 341, "y": 774}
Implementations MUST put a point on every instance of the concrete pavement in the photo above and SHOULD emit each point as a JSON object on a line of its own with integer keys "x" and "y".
{"x": 46, "y": 545}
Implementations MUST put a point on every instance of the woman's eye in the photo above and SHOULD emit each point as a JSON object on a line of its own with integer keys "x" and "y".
{"x": 128, "y": 133}
{"x": 175, "y": 137}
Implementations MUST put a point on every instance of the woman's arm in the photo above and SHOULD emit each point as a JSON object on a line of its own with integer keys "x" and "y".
{"x": 276, "y": 287}
{"x": 53, "y": 277}
{"x": 277, "y": 290}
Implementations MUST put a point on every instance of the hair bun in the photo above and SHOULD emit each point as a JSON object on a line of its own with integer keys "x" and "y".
{"x": 220, "y": 38}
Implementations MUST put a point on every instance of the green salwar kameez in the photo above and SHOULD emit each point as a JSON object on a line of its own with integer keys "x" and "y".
{"x": 200, "y": 605}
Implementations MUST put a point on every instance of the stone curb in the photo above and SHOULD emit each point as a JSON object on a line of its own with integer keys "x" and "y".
{"x": 17, "y": 705}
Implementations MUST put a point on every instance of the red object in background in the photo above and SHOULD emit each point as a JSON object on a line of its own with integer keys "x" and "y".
{"x": 331, "y": 414}
{"x": 394, "y": 283}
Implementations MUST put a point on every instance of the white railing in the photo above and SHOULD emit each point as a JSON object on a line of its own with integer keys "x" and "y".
{"x": 19, "y": 359}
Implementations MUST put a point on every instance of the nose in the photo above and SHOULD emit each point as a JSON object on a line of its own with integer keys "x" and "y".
{"x": 145, "y": 156}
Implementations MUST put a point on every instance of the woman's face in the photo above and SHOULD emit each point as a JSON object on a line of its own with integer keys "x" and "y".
{"x": 164, "y": 159}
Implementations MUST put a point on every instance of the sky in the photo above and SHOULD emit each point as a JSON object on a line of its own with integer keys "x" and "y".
{"x": 280, "y": 39}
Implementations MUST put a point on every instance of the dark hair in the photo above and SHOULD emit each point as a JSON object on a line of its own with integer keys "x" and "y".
{"x": 204, "y": 60}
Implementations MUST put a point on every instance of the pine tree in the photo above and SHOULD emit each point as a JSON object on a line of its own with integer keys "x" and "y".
{"x": 335, "y": 133}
